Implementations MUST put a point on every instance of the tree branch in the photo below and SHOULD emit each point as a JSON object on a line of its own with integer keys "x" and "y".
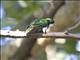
{"x": 27, "y": 44}
{"x": 22, "y": 34}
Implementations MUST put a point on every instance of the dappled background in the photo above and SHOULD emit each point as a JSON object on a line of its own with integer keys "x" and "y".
{"x": 17, "y": 15}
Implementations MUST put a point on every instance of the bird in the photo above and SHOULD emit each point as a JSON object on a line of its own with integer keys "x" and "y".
{"x": 42, "y": 24}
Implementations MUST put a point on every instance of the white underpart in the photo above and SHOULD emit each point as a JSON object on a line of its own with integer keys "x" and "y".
{"x": 44, "y": 29}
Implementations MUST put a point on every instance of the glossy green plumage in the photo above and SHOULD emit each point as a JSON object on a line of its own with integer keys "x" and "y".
{"x": 40, "y": 23}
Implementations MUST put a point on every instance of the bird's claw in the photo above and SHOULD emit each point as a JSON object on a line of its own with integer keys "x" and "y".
{"x": 66, "y": 32}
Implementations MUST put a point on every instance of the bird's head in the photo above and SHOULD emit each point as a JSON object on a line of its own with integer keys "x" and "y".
{"x": 50, "y": 20}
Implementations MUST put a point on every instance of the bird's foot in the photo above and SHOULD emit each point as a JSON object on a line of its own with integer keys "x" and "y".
{"x": 66, "y": 32}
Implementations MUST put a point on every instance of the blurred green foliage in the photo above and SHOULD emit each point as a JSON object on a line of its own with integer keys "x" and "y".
{"x": 18, "y": 11}
{"x": 15, "y": 10}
